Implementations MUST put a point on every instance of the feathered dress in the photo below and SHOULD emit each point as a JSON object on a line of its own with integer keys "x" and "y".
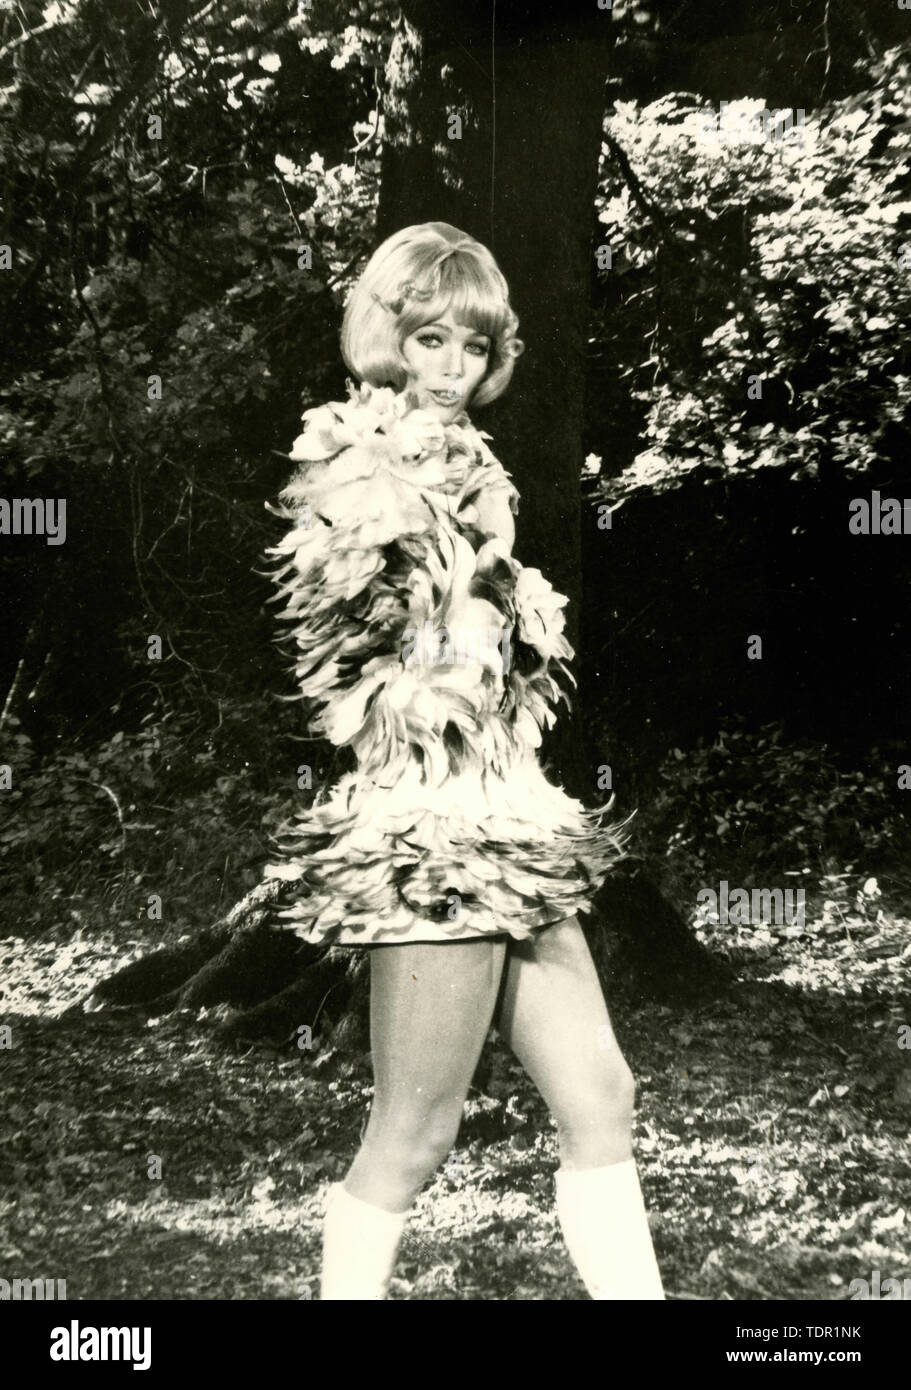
{"x": 425, "y": 647}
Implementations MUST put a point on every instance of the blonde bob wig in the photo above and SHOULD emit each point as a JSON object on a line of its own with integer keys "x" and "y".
{"x": 412, "y": 279}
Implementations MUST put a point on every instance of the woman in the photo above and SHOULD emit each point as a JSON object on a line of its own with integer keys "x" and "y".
{"x": 434, "y": 655}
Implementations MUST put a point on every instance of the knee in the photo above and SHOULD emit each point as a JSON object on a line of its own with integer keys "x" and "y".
{"x": 415, "y": 1143}
{"x": 613, "y": 1100}
{"x": 595, "y": 1123}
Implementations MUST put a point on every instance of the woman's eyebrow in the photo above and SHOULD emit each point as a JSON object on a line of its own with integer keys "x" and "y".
{"x": 444, "y": 327}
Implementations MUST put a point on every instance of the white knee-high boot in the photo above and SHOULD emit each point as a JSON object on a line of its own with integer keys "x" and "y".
{"x": 602, "y": 1217}
{"x": 360, "y": 1243}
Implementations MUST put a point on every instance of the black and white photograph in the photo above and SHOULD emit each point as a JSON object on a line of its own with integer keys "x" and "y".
{"x": 455, "y": 664}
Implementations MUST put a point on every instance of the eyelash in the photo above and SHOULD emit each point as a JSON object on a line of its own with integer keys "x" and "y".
{"x": 428, "y": 338}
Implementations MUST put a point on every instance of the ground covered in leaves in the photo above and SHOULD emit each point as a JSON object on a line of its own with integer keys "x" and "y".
{"x": 772, "y": 1135}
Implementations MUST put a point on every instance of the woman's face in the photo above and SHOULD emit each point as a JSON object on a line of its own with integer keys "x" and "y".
{"x": 446, "y": 363}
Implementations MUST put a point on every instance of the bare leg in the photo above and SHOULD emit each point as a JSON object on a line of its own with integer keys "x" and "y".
{"x": 554, "y": 1018}
{"x": 431, "y": 1007}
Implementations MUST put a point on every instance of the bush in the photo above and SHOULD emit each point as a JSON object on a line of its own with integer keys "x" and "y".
{"x": 167, "y": 810}
{"x": 748, "y": 805}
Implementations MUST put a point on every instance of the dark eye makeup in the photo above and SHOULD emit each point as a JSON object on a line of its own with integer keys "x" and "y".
{"x": 426, "y": 340}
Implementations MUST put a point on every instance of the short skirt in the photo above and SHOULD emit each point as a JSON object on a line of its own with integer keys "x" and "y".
{"x": 478, "y": 854}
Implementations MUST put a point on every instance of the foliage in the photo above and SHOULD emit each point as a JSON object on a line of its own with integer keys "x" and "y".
{"x": 170, "y": 810}
{"x": 785, "y": 258}
{"x": 186, "y": 195}
{"x": 755, "y": 804}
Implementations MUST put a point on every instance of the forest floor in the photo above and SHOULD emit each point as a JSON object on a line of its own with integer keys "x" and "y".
{"x": 772, "y": 1137}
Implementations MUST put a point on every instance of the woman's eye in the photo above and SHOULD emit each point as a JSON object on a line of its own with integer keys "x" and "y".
{"x": 433, "y": 340}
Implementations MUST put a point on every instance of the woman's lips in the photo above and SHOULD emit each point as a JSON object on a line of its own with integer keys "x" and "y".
{"x": 445, "y": 397}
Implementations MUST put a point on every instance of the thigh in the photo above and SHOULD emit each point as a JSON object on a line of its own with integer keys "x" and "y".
{"x": 554, "y": 1017}
{"x": 431, "y": 1007}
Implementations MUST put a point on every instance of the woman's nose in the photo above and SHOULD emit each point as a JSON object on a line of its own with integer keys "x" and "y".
{"x": 454, "y": 362}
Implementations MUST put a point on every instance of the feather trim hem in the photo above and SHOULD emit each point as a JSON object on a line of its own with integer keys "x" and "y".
{"x": 478, "y": 855}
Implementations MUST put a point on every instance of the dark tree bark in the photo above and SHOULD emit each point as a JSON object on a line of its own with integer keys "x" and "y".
{"x": 274, "y": 981}
{"x": 522, "y": 178}
{"x": 529, "y": 94}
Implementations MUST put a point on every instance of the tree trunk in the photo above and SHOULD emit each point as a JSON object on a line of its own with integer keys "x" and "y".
{"x": 518, "y": 170}
{"x": 529, "y": 94}
{"x": 276, "y": 982}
